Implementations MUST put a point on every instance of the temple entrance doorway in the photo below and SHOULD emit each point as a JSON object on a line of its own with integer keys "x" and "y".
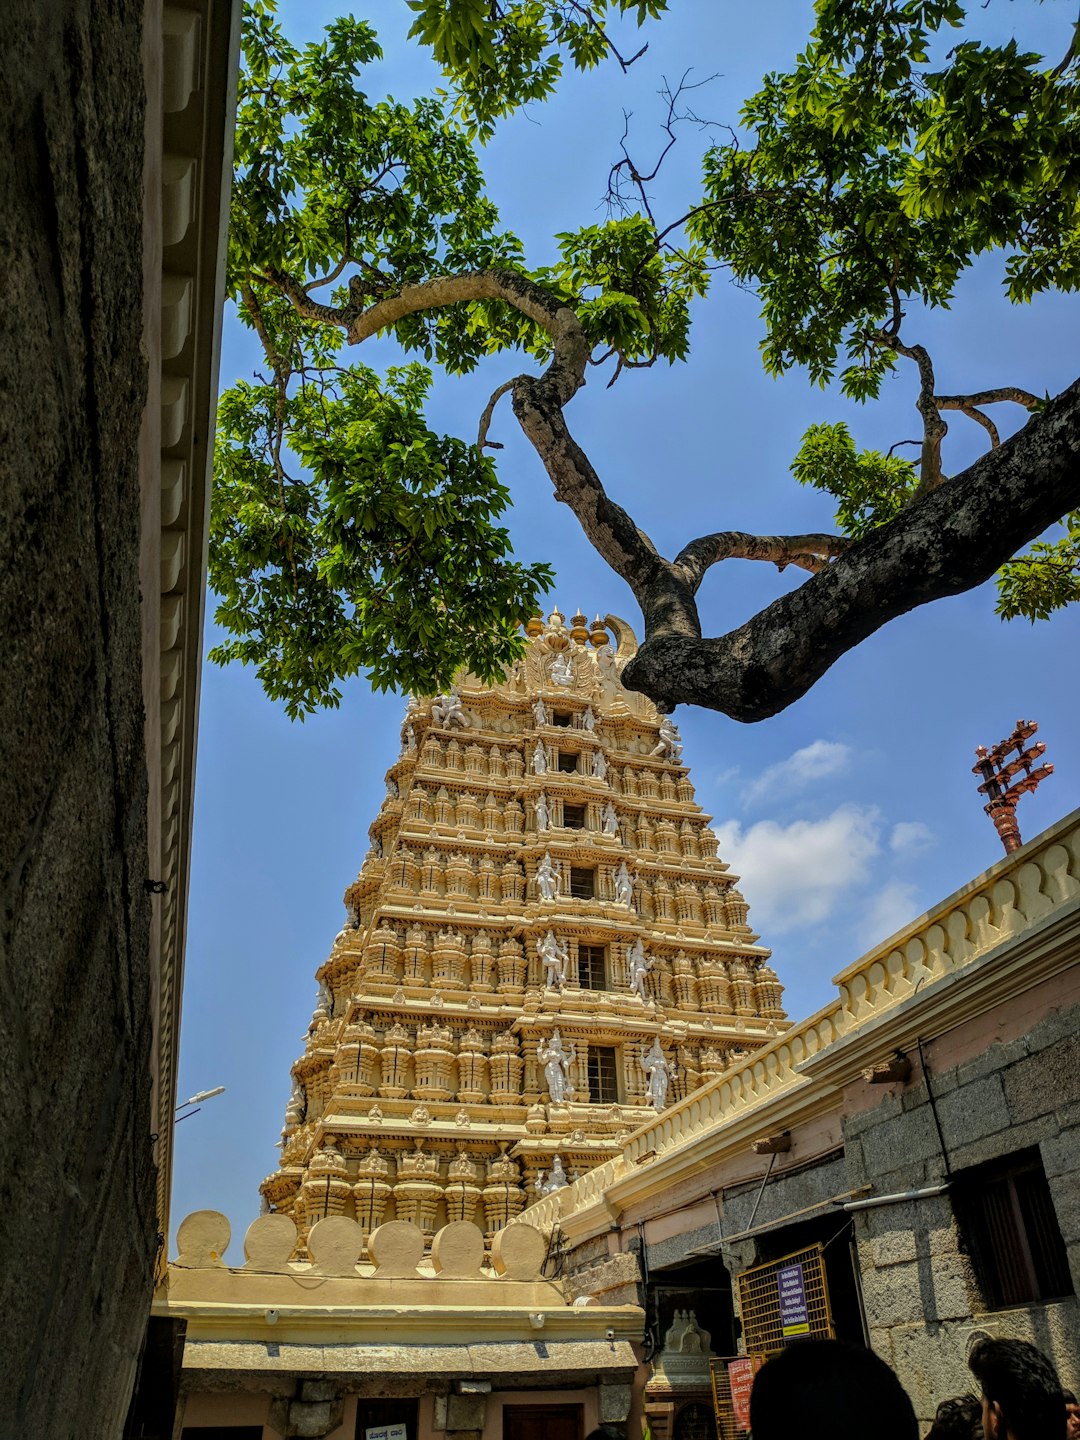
{"x": 543, "y": 1422}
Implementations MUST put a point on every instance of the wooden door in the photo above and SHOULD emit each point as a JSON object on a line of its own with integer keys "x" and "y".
{"x": 543, "y": 1422}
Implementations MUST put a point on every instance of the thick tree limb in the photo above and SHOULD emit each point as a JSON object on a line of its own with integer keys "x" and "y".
{"x": 952, "y": 540}
{"x": 809, "y": 552}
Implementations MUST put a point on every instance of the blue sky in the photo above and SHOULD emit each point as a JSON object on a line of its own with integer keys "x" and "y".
{"x": 847, "y": 815}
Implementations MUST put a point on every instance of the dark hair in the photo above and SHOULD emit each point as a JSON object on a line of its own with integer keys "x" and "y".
{"x": 1024, "y": 1384}
{"x": 843, "y": 1391}
{"x": 957, "y": 1419}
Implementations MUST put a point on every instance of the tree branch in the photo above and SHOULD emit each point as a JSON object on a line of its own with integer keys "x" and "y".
{"x": 809, "y": 552}
{"x": 934, "y": 428}
{"x": 482, "y": 442}
{"x": 988, "y": 397}
{"x": 952, "y": 540}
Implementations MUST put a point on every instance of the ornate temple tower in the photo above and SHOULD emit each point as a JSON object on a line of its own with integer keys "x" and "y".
{"x": 541, "y": 950}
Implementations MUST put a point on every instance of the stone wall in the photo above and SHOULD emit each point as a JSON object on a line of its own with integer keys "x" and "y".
{"x": 921, "y": 1296}
{"x": 77, "y": 1227}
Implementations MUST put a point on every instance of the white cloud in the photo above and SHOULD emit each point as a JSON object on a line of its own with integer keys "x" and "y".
{"x": 796, "y": 874}
{"x": 911, "y": 837}
{"x": 817, "y": 761}
{"x": 892, "y": 907}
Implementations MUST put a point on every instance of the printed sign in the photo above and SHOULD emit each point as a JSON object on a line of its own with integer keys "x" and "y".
{"x": 385, "y": 1432}
{"x": 741, "y": 1380}
{"x": 794, "y": 1314}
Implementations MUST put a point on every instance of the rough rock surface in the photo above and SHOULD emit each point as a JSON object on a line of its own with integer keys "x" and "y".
{"x": 77, "y": 1227}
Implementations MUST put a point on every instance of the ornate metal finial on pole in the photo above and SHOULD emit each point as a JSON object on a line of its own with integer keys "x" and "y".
{"x": 997, "y": 773}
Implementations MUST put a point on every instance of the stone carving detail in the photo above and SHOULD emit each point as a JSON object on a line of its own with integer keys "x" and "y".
{"x": 556, "y": 1062}
{"x": 669, "y": 743}
{"x": 547, "y": 879}
{"x": 659, "y": 1072}
{"x": 447, "y": 710}
{"x": 639, "y": 964}
{"x": 624, "y": 886}
{"x": 556, "y": 1178}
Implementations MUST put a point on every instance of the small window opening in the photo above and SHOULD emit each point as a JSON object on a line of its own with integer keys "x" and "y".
{"x": 573, "y": 817}
{"x": 582, "y": 883}
{"x": 592, "y": 967}
{"x": 603, "y": 1075}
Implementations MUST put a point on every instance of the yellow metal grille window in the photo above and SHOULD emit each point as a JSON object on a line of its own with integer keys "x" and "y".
{"x": 787, "y": 1299}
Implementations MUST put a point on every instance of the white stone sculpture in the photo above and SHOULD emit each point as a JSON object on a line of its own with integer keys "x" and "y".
{"x": 588, "y": 720}
{"x": 547, "y": 878}
{"x": 556, "y": 1178}
{"x": 669, "y": 745}
{"x": 609, "y": 820}
{"x": 659, "y": 1072}
{"x": 446, "y": 709}
{"x": 639, "y": 964}
{"x": 539, "y": 710}
{"x": 562, "y": 670}
{"x": 624, "y": 886}
{"x": 392, "y": 791}
{"x": 539, "y": 759}
{"x": 599, "y": 765}
{"x": 543, "y": 814}
{"x": 554, "y": 957}
{"x": 556, "y": 1062}
{"x": 605, "y": 662}
{"x": 408, "y": 739}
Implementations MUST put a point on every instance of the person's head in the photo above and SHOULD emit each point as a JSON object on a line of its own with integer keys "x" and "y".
{"x": 824, "y": 1387}
{"x": 1021, "y": 1393}
{"x": 1072, "y": 1416}
{"x": 957, "y": 1419}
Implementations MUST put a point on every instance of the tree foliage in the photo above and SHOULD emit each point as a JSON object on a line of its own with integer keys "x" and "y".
{"x": 348, "y": 536}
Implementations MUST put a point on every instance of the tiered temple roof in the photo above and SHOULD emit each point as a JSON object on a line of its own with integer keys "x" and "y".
{"x": 542, "y": 950}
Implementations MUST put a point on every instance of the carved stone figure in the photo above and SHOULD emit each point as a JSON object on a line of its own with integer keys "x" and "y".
{"x": 669, "y": 745}
{"x": 539, "y": 759}
{"x": 624, "y": 886}
{"x": 554, "y": 957}
{"x": 599, "y": 765}
{"x": 547, "y": 879}
{"x": 556, "y": 1062}
{"x": 539, "y": 710}
{"x": 556, "y": 1178}
{"x": 408, "y": 739}
{"x": 562, "y": 670}
{"x": 659, "y": 1071}
{"x": 640, "y": 964}
{"x": 296, "y": 1109}
{"x": 588, "y": 720}
{"x": 609, "y": 820}
{"x": 447, "y": 710}
{"x": 605, "y": 662}
{"x": 543, "y": 814}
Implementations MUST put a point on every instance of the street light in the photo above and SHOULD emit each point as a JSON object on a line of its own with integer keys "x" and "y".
{"x": 196, "y": 1101}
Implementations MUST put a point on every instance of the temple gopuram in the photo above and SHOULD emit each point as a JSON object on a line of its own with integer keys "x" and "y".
{"x": 541, "y": 950}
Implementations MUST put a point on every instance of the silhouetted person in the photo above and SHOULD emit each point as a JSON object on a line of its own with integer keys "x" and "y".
{"x": 1022, "y": 1398}
{"x": 957, "y": 1419}
{"x": 1072, "y": 1416}
{"x": 829, "y": 1389}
